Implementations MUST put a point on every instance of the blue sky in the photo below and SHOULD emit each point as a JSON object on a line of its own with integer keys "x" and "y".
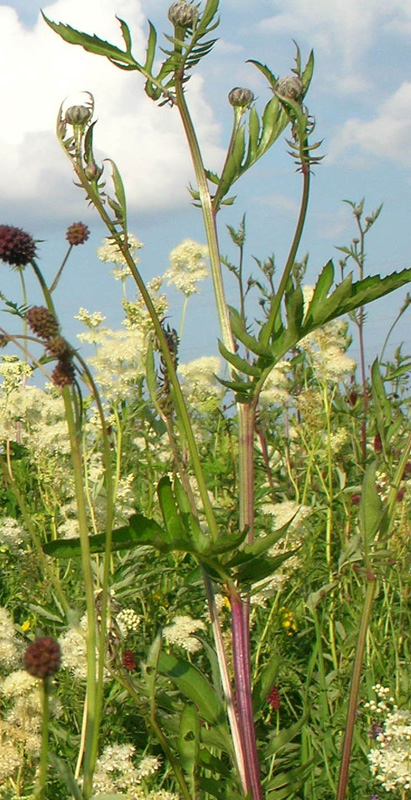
{"x": 360, "y": 98}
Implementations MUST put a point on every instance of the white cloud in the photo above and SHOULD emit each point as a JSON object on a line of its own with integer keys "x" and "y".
{"x": 387, "y": 135}
{"x": 38, "y": 70}
{"x": 342, "y": 31}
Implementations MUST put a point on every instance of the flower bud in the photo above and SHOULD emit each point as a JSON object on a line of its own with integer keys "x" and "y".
{"x": 290, "y": 87}
{"x": 93, "y": 172}
{"x": 78, "y": 115}
{"x": 183, "y": 14}
{"x": 240, "y": 97}
{"x": 63, "y": 373}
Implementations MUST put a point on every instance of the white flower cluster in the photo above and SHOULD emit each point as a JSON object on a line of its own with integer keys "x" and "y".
{"x": 199, "y": 383}
{"x": 8, "y": 648}
{"x": 188, "y": 266}
{"x": 116, "y": 771}
{"x": 181, "y": 631}
{"x": 14, "y": 372}
{"x": 128, "y": 619}
{"x": 390, "y": 760}
{"x": 90, "y": 320}
{"x": 12, "y": 534}
{"x": 275, "y": 387}
{"x": 326, "y": 347}
{"x": 109, "y": 252}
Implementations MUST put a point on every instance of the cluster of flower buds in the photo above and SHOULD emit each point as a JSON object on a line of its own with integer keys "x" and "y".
{"x": 44, "y": 324}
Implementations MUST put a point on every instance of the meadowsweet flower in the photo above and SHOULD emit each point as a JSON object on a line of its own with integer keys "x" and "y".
{"x": 115, "y": 770}
{"x": 200, "y": 384}
{"x": 119, "y": 362}
{"x": 275, "y": 387}
{"x": 181, "y": 631}
{"x": 137, "y": 316}
{"x": 13, "y": 372}
{"x": 129, "y": 619}
{"x": 109, "y": 252}
{"x": 390, "y": 760}
{"x": 11, "y": 533}
{"x": 8, "y": 647}
{"x": 18, "y": 683}
{"x": 91, "y": 320}
{"x": 148, "y": 765}
{"x": 188, "y": 267}
{"x": 10, "y": 759}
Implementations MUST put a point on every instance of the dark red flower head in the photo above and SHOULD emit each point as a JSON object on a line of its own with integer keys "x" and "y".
{"x": 274, "y": 698}
{"x": 42, "y": 322}
{"x": 129, "y": 662}
{"x": 16, "y": 246}
{"x": 42, "y": 657}
{"x": 77, "y": 233}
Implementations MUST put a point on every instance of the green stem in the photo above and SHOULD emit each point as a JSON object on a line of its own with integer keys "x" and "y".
{"x": 276, "y": 301}
{"x": 42, "y": 777}
{"x": 355, "y": 686}
{"x": 92, "y": 695}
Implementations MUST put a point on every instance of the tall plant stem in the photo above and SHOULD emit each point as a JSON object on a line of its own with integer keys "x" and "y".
{"x": 240, "y": 611}
{"x": 355, "y": 686}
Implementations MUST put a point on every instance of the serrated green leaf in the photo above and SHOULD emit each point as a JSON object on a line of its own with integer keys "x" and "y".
{"x": 321, "y": 289}
{"x": 272, "y": 80}
{"x": 294, "y": 307}
{"x": 125, "y": 32}
{"x": 307, "y": 74}
{"x": 239, "y": 363}
{"x": 151, "y": 47}
{"x": 140, "y": 531}
{"x": 245, "y": 338}
{"x": 119, "y": 188}
{"x": 370, "y": 289}
{"x": 91, "y": 43}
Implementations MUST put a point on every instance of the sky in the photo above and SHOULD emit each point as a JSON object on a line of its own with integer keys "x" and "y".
{"x": 360, "y": 98}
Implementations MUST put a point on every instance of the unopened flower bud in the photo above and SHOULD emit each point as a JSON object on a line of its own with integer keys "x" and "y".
{"x": 93, "y": 172}
{"x": 183, "y": 14}
{"x": 78, "y": 115}
{"x": 290, "y": 87}
{"x": 240, "y": 97}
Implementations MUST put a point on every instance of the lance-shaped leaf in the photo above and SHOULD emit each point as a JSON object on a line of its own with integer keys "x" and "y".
{"x": 139, "y": 531}
{"x": 194, "y": 685}
{"x": 371, "y": 510}
{"x": 93, "y": 44}
{"x": 188, "y": 744}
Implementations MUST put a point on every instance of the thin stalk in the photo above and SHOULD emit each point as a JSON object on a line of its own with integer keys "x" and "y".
{"x": 276, "y": 301}
{"x": 42, "y": 775}
{"x": 63, "y": 264}
{"x": 92, "y": 695}
{"x": 355, "y": 687}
